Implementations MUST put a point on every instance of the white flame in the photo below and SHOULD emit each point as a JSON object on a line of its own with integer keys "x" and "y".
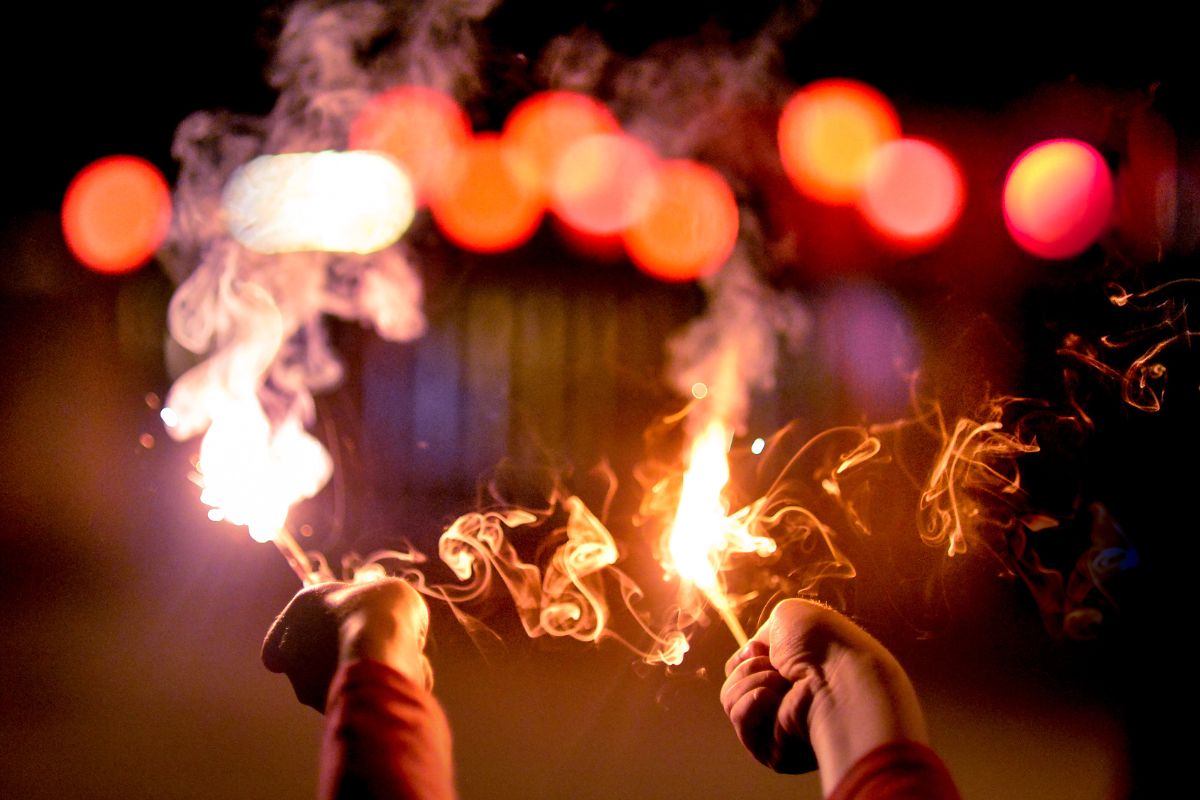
{"x": 251, "y": 475}
{"x": 351, "y": 202}
{"x": 703, "y": 533}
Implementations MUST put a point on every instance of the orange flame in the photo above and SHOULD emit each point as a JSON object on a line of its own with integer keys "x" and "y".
{"x": 703, "y": 533}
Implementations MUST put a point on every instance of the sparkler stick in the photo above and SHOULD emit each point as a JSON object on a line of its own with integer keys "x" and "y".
{"x": 721, "y": 603}
{"x": 297, "y": 559}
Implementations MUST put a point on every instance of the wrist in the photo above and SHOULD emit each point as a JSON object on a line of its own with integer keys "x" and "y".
{"x": 866, "y": 701}
{"x": 384, "y": 637}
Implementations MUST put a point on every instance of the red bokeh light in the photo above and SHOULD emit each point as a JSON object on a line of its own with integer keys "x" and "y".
{"x": 690, "y": 227}
{"x": 603, "y": 183}
{"x": 116, "y": 213}
{"x": 548, "y": 123}
{"x": 1058, "y": 198}
{"x": 913, "y": 193}
{"x": 827, "y": 134}
{"x": 421, "y": 128}
{"x": 491, "y": 200}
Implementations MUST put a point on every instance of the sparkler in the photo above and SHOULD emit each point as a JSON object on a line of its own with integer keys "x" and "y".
{"x": 703, "y": 533}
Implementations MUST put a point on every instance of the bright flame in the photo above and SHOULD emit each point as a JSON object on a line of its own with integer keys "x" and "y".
{"x": 251, "y": 475}
{"x": 355, "y": 202}
{"x": 704, "y": 534}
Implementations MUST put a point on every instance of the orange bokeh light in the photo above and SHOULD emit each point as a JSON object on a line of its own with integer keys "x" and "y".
{"x": 1058, "y": 198}
{"x": 603, "y": 183}
{"x": 421, "y": 128}
{"x": 116, "y": 213}
{"x": 490, "y": 201}
{"x": 827, "y": 134}
{"x": 690, "y": 227}
{"x": 548, "y": 123}
{"x": 913, "y": 192}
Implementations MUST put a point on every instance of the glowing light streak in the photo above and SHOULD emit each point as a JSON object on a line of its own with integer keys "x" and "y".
{"x": 351, "y": 202}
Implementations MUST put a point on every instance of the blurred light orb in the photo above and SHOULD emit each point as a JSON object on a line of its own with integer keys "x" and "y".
{"x": 828, "y": 132}
{"x": 342, "y": 202}
{"x": 603, "y": 183}
{"x": 689, "y": 228}
{"x": 546, "y": 124}
{"x": 1058, "y": 198}
{"x": 758, "y": 446}
{"x": 491, "y": 200}
{"x": 115, "y": 214}
{"x": 913, "y": 193}
{"x": 420, "y": 127}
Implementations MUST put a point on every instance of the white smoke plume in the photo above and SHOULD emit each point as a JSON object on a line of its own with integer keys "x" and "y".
{"x": 683, "y": 97}
{"x": 257, "y": 320}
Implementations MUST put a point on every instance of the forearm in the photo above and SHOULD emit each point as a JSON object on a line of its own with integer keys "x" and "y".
{"x": 386, "y": 738}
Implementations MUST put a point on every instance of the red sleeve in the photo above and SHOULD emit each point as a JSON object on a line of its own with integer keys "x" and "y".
{"x": 897, "y": 771}
{"x": 386, "y": 738}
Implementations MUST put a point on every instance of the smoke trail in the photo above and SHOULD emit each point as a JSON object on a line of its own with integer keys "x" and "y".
{"x": 564, "y": 594}
{"x": 1136, "y": 359}
{"x": 686, "y": 98}
{"x": 258, "y": 319}
{"x": 974, "y": 495}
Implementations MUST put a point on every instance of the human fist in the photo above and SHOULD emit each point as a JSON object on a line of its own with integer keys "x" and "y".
{"x": 335, "y": 622}
{"x": 812, "y": 688}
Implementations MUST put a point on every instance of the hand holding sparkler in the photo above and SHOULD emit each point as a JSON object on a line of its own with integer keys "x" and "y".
{"x": 333, "y": 623}
{"x": 812, "y": 688}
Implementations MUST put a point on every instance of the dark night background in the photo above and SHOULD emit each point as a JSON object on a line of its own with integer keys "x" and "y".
{"x": 131, "y": 624}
